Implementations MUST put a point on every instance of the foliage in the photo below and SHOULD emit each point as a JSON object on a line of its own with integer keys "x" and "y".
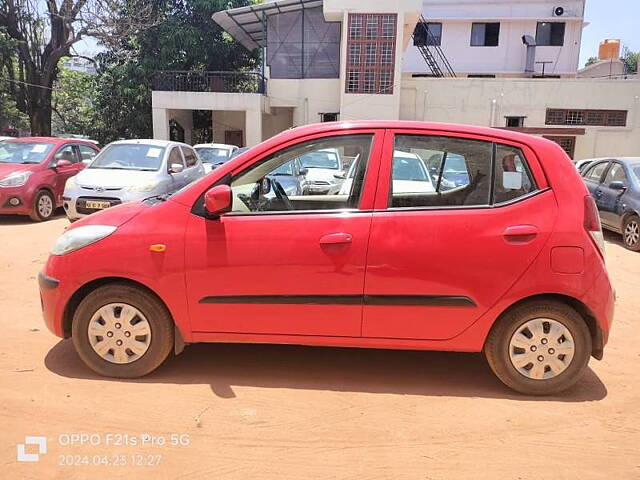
{"x": 73, "y": 103}
{"x": 591, "y": 61}
{"x": 631, "y": 60}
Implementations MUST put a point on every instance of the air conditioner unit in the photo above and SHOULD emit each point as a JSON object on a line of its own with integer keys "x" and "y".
{"x": 559, "y": 11}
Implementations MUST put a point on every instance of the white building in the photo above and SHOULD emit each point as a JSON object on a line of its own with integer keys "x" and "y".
{"x": 500, "y": 63}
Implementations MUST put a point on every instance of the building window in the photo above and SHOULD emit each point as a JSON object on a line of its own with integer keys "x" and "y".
{"x": 329, "y": 117}
{"x": 595, "y": 118}
{"x": 485, "y": 34}
{"x": 515, "y": 122}
{"x": 568, "y": 144}
{"x": 372, "y": 49}
{"x": 427, "y": 34}
{"x": 550, "y": 34}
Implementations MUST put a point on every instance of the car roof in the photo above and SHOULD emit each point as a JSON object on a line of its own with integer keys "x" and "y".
{"x": 214, "y": 145}
{"x": 147, "y": 141}
{"x": 625, "y": 160}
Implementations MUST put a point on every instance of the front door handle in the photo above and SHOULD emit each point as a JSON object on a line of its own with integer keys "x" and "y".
{"x": 520, "y": 233}
{"x": 336, "y": 238}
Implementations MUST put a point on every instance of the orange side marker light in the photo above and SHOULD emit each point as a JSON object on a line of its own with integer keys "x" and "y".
{"x": 157, "y": 248}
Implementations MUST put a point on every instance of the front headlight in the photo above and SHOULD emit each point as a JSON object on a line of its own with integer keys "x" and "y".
{"x": 16, "y": 179}
{"x": 143, "y": 187}
{"x": 71, "y": 183}
{"x": 80, "y": 237}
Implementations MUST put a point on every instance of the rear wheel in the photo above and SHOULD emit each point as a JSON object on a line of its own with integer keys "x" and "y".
{"x": 539, "y": 348}
{"x": 631, "y": 233}
{"x": 122, "y": 331}
{"x": 44, "y": 206}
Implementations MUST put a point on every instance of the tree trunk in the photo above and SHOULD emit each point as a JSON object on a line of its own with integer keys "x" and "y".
{"x": 40, "y": 112}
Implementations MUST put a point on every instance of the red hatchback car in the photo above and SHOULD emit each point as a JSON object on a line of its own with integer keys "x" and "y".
{"x": 509, "y": 261}
{"x": 34, "y": 170}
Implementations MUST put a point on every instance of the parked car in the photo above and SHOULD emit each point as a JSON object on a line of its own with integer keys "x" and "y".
{"x": 291, "y": 177}
{"x": 238, "y": 152}
{"x": 129, "y": 170}
{"x": 324, "y": 170}
{"x": 33, "y": 172}
{"x": 615, "y": 186}
{"x": 454, "y": 173}
{"x": 581, "y": 165}
{"x": 2, "y": 139}
{"x": 214, "y": 154}
{"x": 409, "y": 175}
{"x": 511, "y": 264}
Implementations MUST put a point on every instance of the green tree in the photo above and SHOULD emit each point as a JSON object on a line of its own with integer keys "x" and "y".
{"x": 591, "y": 61}
{"x": 631, "y": 60}
{"x": 73, "y": 103}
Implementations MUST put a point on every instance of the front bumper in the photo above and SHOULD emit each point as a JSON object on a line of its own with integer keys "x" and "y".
{"x": 52, "y": 301}
{"x": 74, "y": 201}
{"x": 23, "y": 196}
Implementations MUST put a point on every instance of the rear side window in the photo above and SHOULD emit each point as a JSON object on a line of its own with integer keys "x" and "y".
{"x": 512, "y": 176}
{"x": 190, "y": 157}
{"x": 432, "y": 171}
{"x": 594, "y": 174}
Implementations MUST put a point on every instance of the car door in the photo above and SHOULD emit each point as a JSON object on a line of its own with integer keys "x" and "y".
{"x": 611, "y": 200}
{"x": 438, "y": 260}
{"x": 593, "y": 178}
{"x": 193, "y": 166}
{"x": 178, "y": 179}
{"x": 272, "y": 267}
{"x": 60, "y": 174}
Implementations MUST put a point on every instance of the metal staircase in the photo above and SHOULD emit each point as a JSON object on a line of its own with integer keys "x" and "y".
{"x": 432, "y": 53}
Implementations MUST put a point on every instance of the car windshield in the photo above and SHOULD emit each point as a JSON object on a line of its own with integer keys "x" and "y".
{"x": 24, "y": 152}
{"x": 320, "y": 159}
{"x": 409, "y": 168}
{"x": 286, "y": 169}
{"x": 213, "y": 155}
{"x": 132, "y": 156}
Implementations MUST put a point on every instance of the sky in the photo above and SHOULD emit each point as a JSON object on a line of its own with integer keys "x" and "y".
{"x": 606, "y": 18}
{"x": 610, "y": 19}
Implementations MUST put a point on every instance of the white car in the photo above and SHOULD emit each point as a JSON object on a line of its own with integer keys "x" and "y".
{"x": 324, "y": 171}
{"x": 214, "y": 154}
{"x": 129, "y": 170}
{"x": 582, "y": 164}
{"x": 409, "y": 173}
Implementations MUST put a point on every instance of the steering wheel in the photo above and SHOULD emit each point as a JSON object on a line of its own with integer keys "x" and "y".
{"x": 281, "y": 195}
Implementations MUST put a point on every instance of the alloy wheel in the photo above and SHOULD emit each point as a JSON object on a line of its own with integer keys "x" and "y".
{"x": 541, "y": 348}
{"x": 119, "y": 333}
{"x": 632, "y": 233}
{"x": 45, "y": 206}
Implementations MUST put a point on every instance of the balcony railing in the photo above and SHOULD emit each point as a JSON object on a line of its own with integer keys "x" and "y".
{"x": 223, "y": 82}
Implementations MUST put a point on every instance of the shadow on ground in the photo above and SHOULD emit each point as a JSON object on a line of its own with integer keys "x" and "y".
{"x": 223, "y": 366}
{"x": 25, "y": 220}
{"x": 612, "y": 237}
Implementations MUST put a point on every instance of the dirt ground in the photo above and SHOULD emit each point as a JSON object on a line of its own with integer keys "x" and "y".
{"x": 273, "y": 412}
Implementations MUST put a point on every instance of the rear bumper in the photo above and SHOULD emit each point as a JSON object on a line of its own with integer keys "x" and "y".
{"x": 601, "y": 299}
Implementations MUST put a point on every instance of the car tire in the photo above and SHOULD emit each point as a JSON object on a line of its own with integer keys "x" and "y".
{"x": 142, "y": 324}
{"x": 544, "y": 321}
{"x": 631, "y": 233}
{"x": 44, "y": 206}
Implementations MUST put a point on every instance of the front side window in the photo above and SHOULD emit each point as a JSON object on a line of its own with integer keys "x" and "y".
{"x": 432, "y": 171}
{"x": 485, "y": 34}
{"x": 550, "y": 34}
{"x": 132, "y": 156}
{"x": 175, "y": 158}
{"x": 308, "y": 176}
{"x": 512, "y": 176}
{"x": 616, "y": 174}
{"x": 23, "y": 152}
{"x": 190, "y": 157}
{"x": 594, "y": 174}
{"x": 66, "y": 153}
{"x": 86, "y": 153}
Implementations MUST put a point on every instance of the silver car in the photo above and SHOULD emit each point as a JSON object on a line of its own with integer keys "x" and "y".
{"x": 130, "y": 170}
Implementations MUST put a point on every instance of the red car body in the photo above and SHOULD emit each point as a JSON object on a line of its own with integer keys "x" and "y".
{"x": 45, "y": 175}
{"x": 494, "y": 257}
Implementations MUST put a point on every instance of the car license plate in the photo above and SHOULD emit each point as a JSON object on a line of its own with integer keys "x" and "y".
{"x": 97, "y": 205}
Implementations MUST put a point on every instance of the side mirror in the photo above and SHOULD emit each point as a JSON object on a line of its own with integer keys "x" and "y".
{"x": 617, "y": 185}
{"x": 63, "y": 163}
{"x": 176, "y": 168}
{"x": 217, "y": 200}
{"x": 303, "y": 171}
{"x": 340, "y": 176}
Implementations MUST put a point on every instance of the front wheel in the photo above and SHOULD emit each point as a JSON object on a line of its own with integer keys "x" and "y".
{"x": 122, "y": 331}
{"x": 539, "y": 348}
{"x": 44, "y": 206}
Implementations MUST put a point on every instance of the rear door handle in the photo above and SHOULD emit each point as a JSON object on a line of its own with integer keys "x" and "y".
{"x": 598, "y": 193}
{"x": 336, "y": 238}
{"x": 520, "y": 233}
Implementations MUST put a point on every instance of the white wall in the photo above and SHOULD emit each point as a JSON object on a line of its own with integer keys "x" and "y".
{"x": 487, "y": 101}
{"x": 517, "y": 18}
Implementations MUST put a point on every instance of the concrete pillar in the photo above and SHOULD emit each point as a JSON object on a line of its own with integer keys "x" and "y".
{"x": 253, "y": 127}
{"x": 160, "y": 123}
